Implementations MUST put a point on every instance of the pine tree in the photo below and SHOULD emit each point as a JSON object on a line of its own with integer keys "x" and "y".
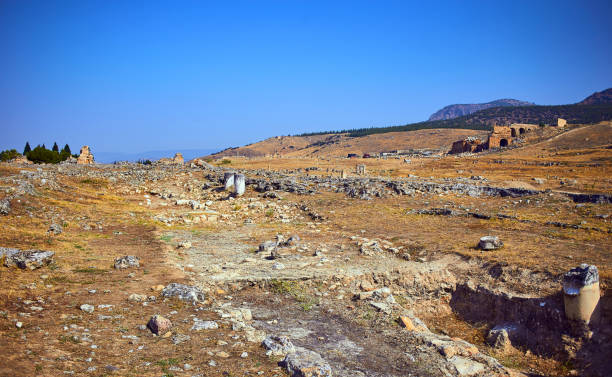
{"x": 55, "y": 148}
{"x": 43, "y": 146}
{"x": 27, "y": 148}
{"x": 67, "y": 149}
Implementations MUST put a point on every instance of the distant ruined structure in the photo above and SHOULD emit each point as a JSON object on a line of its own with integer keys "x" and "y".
{"x": 561, "y": 122}
{"x": 85, "y": 157}
{"x": 500, "y": 137}
{"x": 176, "y": 160}
{"x": 470, "y": 144}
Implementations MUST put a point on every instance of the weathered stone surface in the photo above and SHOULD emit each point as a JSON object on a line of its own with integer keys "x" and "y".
{"x": 239, "y": 184}
{"x": 183, "y": 292}
{"x": 55, "y": 229}
{"x": 306, "y": 363}
{"x": 278, "y": 345}
{"x": 5, "y": 207}
{"x": 467, "y": 367}
{"x": 203, "y": 325}
{"x": 27, "y": 259}
{"x": 499, "y": 338}
{"x": 127, "y": 261}
{"x": 85, "y": 156}
{"x": 87, "y": 308}
{"x": 228, "y": 180}
{"x": 490, "y": 243}
{"x": 159, "y": 324}
{"x": 579, "y": 277}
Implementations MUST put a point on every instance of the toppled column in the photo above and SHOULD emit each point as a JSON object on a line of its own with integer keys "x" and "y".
{"x": 343, "y": 174}
{"x": 228, "y": 180}
{"x": 581, "y": 293}
{"x": 239, "y": 184}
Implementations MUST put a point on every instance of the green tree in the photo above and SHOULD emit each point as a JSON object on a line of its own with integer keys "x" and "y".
{"x": 55, "y": 148}
{"x": 8, "y": 155}
{"x": 43, "y": 155}
{"x": 27, "y": 148}
{"x": 66, "y": 149}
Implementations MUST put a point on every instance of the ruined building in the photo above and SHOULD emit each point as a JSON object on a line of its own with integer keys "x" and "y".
{"x": 85, "y": 157}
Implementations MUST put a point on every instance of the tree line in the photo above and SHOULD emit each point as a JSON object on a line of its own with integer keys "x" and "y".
{"x": 40, "y": 154}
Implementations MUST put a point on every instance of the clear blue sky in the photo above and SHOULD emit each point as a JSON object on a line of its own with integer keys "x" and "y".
{"x": 148, "y": 75}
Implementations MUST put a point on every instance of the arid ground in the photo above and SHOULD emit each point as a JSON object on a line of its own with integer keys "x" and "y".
{"x": 370, "y": 275}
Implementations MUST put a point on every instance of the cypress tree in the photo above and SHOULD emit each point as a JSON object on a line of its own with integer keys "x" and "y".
{"x": 55, "y": 148}
{"x": 43, "y": 146}
{"x": 27, "y": 148}
{"x": 67, "y": 149}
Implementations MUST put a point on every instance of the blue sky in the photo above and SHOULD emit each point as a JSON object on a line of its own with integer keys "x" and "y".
{"x": 127, "y": 76}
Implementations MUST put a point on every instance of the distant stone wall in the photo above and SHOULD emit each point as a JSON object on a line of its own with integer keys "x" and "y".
{"x": 467, "y": 145}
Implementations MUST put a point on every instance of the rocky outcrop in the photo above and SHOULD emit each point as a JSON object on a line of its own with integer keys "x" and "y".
{"x": 85, "y": 157}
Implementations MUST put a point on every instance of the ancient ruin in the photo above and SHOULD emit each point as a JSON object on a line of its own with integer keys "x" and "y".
{"x": 469, "y": 144}
{"x": 85, "y": 156}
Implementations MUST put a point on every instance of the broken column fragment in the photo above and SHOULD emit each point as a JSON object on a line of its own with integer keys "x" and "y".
{"x": 581, "y": 293}
{"x": 239, "y": 184}
{"x": 228, "y": 179}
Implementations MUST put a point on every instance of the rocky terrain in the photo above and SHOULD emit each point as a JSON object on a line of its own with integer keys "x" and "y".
{"x": 163, "y": 269}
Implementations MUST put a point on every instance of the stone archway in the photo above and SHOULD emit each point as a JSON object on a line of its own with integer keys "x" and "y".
{"x": 513, "y": 132}
{"x": 503, "y": 143}
{"x": 521, "y": 131}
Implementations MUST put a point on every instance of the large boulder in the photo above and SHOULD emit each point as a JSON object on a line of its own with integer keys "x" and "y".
{"x": 306, "y": 363}
{"x": 490, "y": 243}
{"x": 183, "y": 292}
{"x": 159, "y": 324}
{"x": 26, "y": 259}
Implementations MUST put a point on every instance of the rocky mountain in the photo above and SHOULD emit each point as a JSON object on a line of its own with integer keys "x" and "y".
{"x": 455, "y": 111}
{"x": 598, "y": 98}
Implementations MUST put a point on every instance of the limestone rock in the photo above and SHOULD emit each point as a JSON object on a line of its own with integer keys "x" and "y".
{"x": 159, "y": 324}
{"x": 183, "y": 292}
{"x": 55, "y": 229}
{"x": 5, "y": 207}
{"x": 204, "y": 325}
{"x": 499, "y": 338}
{"x": 490, "y": 243}
{"x": 278, "y": 345}
{"x": 85, "y": 157}
{"x": 306, "y": 363}
{"x": 87, "y": 308}
{"x": 27, "y": 259}
{"x": 127, "y": 262}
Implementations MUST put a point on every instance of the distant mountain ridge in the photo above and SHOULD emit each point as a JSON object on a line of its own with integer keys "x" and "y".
{"x": 598, "y": 98}
{"x": 458, "y": 110}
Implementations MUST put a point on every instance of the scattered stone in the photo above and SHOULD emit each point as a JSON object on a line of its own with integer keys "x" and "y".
{"x": 5, "y": 207}
{"x": 159, "y": 324}
{"x": 19, "y": 325}
{"x": 278, "y": 266}
{"x": 184, "y": 245}
{"x": 87, "y": 308}
{"x": 135, "y": 297}
{"x": 204, "y": 325}
{"x": 183, "y": 292}
{"x": 278, "y": 345}
{"x": 55, "y": 229}
{"x": 306, "y": 363}
{"x": 490, "y": 243}
{"x": 127, "y": 261}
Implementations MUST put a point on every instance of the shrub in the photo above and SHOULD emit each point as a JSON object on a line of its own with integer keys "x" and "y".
{"x": 8, "y": 155}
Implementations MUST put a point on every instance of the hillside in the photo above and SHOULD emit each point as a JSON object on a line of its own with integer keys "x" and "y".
{"x": 598, "y": 98}
{"x": 343, "y": 144}
{"x": 455, "y": 111}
